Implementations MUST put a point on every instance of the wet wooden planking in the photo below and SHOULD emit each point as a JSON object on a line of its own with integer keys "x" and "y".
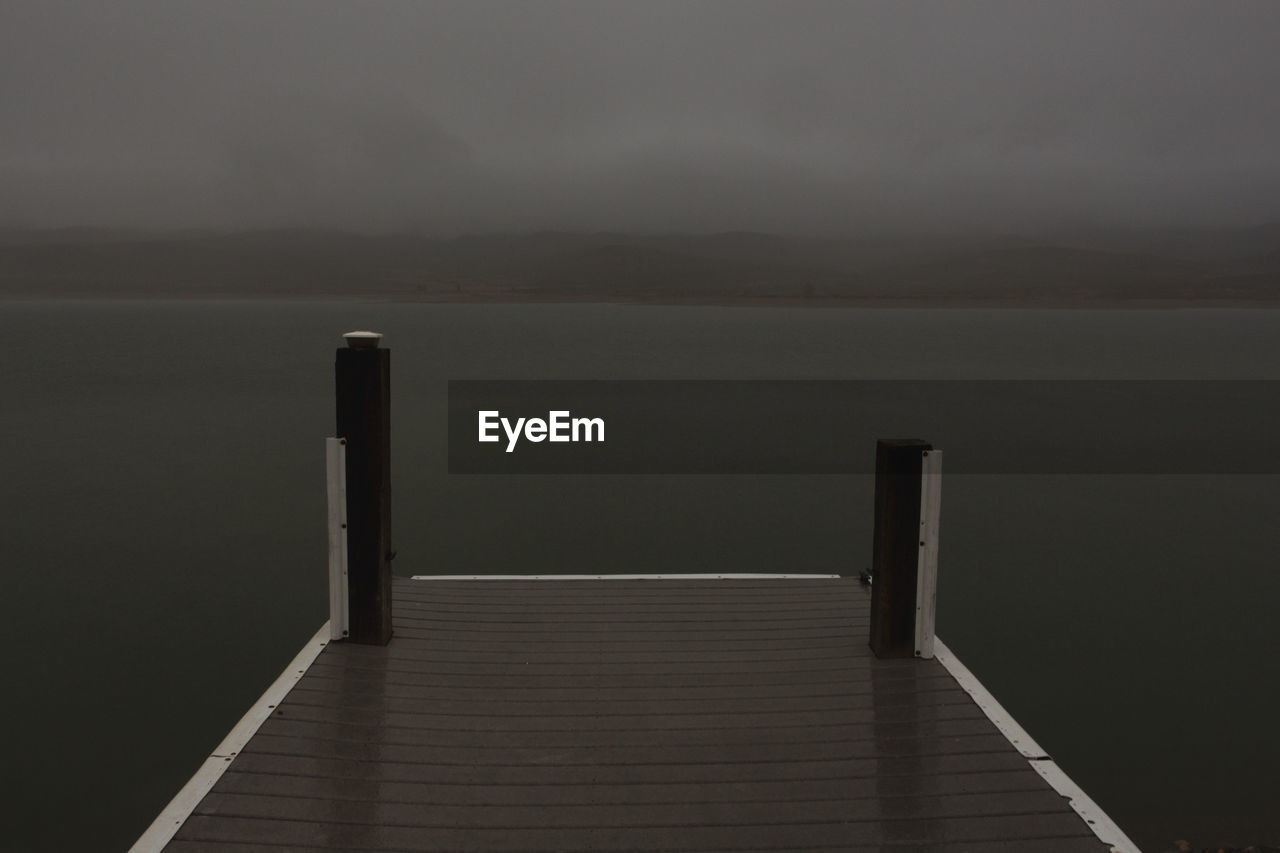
{"x": 619, "y": 715}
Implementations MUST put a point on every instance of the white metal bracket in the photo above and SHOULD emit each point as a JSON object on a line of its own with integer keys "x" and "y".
{"x": 927, "y": 559}
{"x": 335, "y": 455}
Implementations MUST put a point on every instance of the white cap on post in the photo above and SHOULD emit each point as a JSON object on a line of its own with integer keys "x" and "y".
{"x": 362, "y": 340}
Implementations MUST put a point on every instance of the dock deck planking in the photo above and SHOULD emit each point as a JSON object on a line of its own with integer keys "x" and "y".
{"x": 629, "y": 715}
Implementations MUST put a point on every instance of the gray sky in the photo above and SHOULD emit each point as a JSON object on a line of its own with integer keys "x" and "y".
{"x": 797, "y": 117}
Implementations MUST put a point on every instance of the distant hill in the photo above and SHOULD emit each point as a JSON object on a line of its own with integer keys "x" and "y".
{"x": 1084, "y": 268}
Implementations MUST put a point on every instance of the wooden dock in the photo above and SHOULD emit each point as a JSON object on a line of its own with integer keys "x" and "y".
{"x": 624, "y": 713}
{"x": 636, "y": 715}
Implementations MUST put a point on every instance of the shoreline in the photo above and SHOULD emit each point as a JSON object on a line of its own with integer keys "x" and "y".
{"x": 958, "y": 302}
{"x": 1145, "y": 271}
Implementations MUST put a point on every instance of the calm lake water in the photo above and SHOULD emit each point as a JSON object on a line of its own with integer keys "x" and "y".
{"x": 164, "y": 546}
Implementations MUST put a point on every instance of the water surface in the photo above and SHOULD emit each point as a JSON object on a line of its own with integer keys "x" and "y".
{"x": 164, "y": 547}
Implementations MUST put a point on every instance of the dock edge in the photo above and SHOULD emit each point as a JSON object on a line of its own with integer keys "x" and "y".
{"x": 1092, "y": 814}
{"x": 169, "y": 821}
{"x": 729, "y": 576}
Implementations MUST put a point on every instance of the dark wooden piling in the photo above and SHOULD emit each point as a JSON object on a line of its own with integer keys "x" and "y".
{"x": 363, "y": 375}
{"x": 896, "y": 546}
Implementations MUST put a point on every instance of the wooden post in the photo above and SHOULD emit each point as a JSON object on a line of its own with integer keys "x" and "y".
{"x": 363, "y": 374}
{"x": 896, "y": 547}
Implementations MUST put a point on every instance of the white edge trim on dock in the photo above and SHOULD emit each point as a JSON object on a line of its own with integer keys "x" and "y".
{"x": 1102, "y": 825}
{"x": 169, "y": 821}
{"x": 724, "y": 577}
